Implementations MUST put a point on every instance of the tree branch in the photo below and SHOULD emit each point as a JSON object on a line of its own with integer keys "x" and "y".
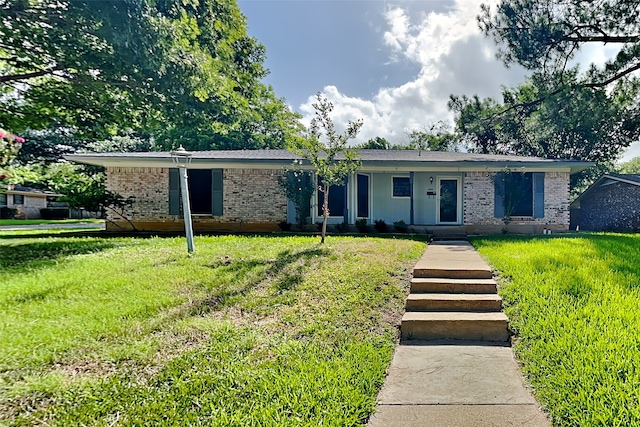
{"x": 615, "y": 77}
{"x": 26, "y": 76}
{"x": 603, "y": 39}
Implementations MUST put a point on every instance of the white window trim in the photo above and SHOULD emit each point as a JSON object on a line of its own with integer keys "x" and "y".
{"x": 400, "y": 197}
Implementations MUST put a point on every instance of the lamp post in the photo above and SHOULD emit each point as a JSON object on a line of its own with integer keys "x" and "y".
{"x": 182, "y": 158}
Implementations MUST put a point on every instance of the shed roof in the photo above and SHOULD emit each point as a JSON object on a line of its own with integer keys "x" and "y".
{"x": 631, "y": 179}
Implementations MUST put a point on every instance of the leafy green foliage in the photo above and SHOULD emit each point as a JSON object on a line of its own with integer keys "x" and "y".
{"x": 535, "y": 119}
{"x": 328, "y": 152}
{"x": 545, "y": 35}
{"x": 248, "y": 330}
{"x": 377, "y": 143}
{"x": 299, "y": 187}
{"x": 632, "y": 166}
{"x": 184, "y": 72}
{"x": 572, "y": 302}
{"x": 437, "y": 137}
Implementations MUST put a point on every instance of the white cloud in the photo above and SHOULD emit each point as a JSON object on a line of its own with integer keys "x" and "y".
{"x": 454, "y": 58}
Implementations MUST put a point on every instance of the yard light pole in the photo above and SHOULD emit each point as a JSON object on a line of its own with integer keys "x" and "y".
{"x": 182, "y": 158}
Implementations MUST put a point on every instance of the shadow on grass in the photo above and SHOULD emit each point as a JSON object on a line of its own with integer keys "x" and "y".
{"x": 278, "y": 270}
{"x": 38, "y": 254}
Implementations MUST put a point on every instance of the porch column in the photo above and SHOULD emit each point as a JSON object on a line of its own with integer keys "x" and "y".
{"x": 411, "y": 198}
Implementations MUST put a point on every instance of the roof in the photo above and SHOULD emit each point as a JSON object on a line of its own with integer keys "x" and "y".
{"x": 19, "y": 189}
{"x": 408, "y": 158}
{"x": 631, "y": 179}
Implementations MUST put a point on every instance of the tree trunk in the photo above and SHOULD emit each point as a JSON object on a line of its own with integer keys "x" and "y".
{"x": 325, "y": 211}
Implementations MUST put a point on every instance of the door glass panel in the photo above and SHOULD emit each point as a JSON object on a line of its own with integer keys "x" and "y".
{"x": 449, "y": 200}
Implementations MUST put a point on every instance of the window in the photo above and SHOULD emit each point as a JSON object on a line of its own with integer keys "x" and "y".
{"x": 18, "y": 199}
{"x": 205, "y": 191}
{"x": 200, "y": 190}
{"x": 401, "y": 187}
{"x": 363, "y": 196}
{"x": 518, "y": 197}
{"x": 519, "y": 194}
{"x": 3, "y": 200}
{"x": 336, "y": 199}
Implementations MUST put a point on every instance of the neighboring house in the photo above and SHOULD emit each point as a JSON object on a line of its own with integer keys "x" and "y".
{"x": 239, "y": 191}
{"x": 26, "y": 200}
{"x": 612, "y": 203}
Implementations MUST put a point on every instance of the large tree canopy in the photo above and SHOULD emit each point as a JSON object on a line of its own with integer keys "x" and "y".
{"x": 181, "y": 71}
{"x": 537, "y": 119}
{"x": 546, "y": 34}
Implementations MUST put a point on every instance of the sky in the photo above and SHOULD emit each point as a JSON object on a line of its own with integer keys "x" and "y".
{"x": 393, "y": 64}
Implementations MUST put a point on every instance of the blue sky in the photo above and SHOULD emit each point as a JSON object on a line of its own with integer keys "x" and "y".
{"x": 391, "y": 63}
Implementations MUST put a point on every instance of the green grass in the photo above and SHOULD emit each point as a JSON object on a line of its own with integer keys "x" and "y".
{"x": 4, "y": 222}
{"x": 265, "y": 331}
{"x": 574, "y": 303}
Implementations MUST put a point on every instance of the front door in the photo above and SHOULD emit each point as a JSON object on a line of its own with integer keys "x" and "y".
{"x": 448, "y": 200}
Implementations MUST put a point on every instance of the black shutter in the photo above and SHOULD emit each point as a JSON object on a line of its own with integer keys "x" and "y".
{"x": 498, "y": 197}
{"x": 216, "y": 192}
{"x": 538, "y": 194}
{"x": 174, "y": 191}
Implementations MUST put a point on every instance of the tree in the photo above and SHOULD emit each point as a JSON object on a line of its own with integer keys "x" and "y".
{"x": 377, "y": 143}
{"x": 536, "y": 119}
{"x": 631, "y": 167}
{"x": 10, "y": 145}
{"x": 436, "y": 137}
{"x": 327, "y": 151}
{"x": 182, "y": 72}
{"x": 546, "y": 35}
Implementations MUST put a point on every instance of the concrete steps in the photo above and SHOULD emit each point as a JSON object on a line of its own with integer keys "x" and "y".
{"x": 454, "y": 302}
{"x": 453, "y": 296}
{"x": 453, "y": 286}
{"x": 455, "y": 325}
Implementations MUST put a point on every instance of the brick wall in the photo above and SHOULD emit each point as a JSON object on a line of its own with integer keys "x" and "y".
{"x": 479, "y": 201}
{"x": 254, "y": 195}
{"x": 250, "y": 196}
{"x": 613, "y": 207}
{"x": 149, "y": 186}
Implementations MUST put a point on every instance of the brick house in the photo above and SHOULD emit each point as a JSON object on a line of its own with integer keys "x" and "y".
{"x": 26, "y": 201}
{"x": 238, "y": 190}
{"x": 612, "y": 203}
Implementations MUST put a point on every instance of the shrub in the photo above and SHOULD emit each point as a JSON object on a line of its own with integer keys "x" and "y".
{"x": 380, "y": 225}
{"x": 284, "y": 225}
{"x": 361, "y": 225}
{"x": 401, "y": 226}
{"x": 54, "y": 213}
{"x": 7, "y": 213}
{"x": 342, "y": 227}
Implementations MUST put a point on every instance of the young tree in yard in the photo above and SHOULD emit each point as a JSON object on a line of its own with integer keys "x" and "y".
{"x": 328, "y": 153}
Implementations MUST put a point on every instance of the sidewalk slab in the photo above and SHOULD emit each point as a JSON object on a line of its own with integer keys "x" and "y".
{"x": 458, "y": 416}
{"x": 455, "y": 383}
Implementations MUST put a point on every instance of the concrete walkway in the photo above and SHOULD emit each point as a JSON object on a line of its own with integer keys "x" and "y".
{"x": 62, "y": 225}
{"x": 455, "y": 382}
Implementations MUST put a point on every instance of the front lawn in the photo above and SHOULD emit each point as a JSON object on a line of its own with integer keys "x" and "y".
{"x": 268, "y": 331}
{"x": 575, "y": 305}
